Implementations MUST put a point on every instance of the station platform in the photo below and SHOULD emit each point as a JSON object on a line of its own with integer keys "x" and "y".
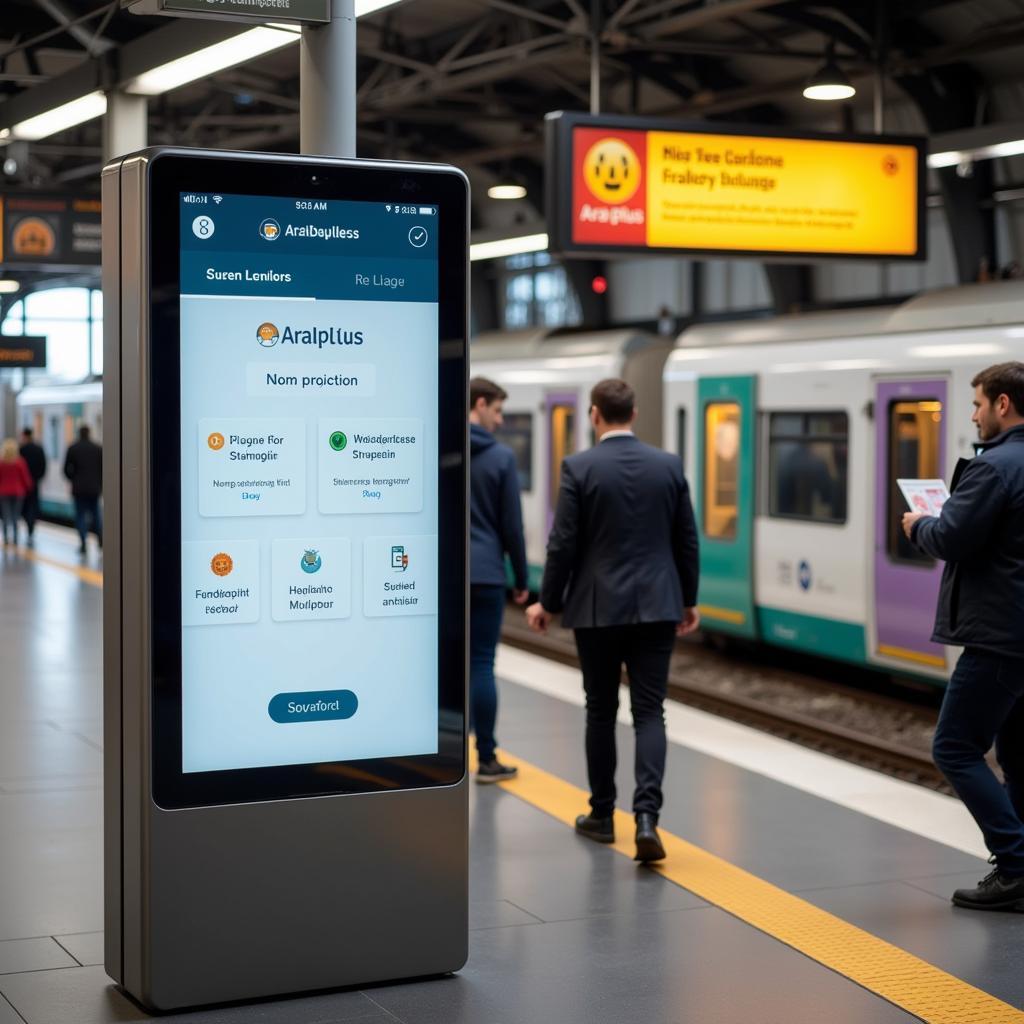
{"x": 797, "y": 890}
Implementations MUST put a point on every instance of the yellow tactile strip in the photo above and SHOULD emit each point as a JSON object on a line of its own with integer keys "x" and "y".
{"x": 92, "y": 576}
{"x": 890, "y": 972}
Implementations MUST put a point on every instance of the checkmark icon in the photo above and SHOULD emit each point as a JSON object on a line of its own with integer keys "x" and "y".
{"x": 418, "y": 236}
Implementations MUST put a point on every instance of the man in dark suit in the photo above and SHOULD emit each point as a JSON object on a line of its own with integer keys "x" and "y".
{"x": 622, "y": 568}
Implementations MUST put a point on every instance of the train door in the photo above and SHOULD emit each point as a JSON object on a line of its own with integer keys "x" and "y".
{"x": 724, "y": 490}
{"x": 562, "y": 410}
{"x": 910, "y": 442}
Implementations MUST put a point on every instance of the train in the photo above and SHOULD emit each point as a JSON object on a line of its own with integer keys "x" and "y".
{"x": 793, "y": 431}
{"x": 55, "y": 412}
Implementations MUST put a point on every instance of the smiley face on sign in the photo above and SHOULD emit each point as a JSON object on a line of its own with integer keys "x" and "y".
{"x": 611, "y": 170}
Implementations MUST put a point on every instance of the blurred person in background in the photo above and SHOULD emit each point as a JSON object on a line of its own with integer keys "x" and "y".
{"x": 35, "y": 459}
{"x": 15, "y": 483}
{"x": 83, "y": 466}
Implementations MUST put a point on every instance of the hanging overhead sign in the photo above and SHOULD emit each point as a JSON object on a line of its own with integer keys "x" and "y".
{"x": 44, "y": 230}
{"x": 623, "y": 184}
{"x": 25, "y": 351}
{"x": 232, "y": 10}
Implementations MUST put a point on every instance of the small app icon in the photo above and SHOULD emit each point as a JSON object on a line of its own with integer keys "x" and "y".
{"x": 267, "y": 335}
{"x": 270, "y": 229}
{"x": 310, "y": 561}
{"x": 399, "y": 559}
{"x": 338, "y": 441}
{"x": 221, "y": 564}
{"x": 215, "y": 441}
{"x": 418, "y": 236}
{"x": 203, "y": 226}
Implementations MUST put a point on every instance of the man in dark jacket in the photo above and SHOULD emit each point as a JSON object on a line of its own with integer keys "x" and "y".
{"x": 495, "y": 529}
{"x": 35, "y": 458}
{"x": 622, "y": 567}
{"x": 980, "y": 536}
{"x": 83, "y": 466}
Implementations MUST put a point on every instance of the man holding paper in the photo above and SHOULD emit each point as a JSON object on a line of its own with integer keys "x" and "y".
{"x": 979, "y": 533}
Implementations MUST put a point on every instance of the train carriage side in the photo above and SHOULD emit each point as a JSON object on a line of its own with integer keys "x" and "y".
{"x": 793, "y": 455}
{"x": 548, "y": 376}
{"x": 54, "y": 412}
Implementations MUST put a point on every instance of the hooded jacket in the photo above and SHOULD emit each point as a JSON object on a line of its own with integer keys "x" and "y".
{"x": 980, "y": 536}
{"x": 495, "y": 515}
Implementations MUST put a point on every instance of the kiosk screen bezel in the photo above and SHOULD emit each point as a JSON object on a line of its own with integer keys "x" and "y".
{"x": 301, "y": 178}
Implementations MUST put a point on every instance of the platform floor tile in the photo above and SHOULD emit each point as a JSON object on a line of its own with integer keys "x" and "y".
{"x": 86, "y": 948}
{"x": 42, "y": 954}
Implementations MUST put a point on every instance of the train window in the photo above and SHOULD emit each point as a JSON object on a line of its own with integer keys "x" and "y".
{"x": 562, "y": 439}
{"x": 915, "y": 436}
{"x": 721, "y": 469}
{"x": 681, "y": 435}
{"x": 807, "y": 466}
{"x": 517, "y": 433}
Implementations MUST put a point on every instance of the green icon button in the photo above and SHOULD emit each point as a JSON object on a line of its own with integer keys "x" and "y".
{"x": 338, "y": 441}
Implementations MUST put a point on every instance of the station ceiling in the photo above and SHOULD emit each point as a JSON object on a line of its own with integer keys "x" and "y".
{"x": 468, "y": 81}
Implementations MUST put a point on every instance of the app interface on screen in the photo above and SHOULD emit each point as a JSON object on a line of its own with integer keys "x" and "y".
{"x": 309, "y": 333}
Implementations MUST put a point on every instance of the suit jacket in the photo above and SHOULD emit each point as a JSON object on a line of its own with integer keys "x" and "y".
{"x": 623, "y": 547}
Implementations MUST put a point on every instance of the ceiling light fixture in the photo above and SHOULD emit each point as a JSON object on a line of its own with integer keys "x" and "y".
{"x": 956, "y": 157}
{"x": 506, "y": 192}
{"x": 211, "y": 59}
{"x": 9, "y": 287}
{"x": 829, "y": 82}
{"x": 508, "y": 247}
{"x": 67, "y": 115}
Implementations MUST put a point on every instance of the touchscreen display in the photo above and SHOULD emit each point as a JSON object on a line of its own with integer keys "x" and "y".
{"x": 309, "y": 469}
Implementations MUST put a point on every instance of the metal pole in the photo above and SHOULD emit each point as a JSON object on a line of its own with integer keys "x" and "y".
{"x": 881, "y": 52}
{"x": 596, "y": 20}
{"x": 327, "y": 84}
{"x": 125, "y": 124}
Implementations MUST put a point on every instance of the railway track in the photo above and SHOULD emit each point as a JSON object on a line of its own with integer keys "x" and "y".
{"x": 706, "y": 679}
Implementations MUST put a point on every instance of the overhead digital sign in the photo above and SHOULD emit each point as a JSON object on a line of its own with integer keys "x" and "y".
{"x": 619, "y": 184}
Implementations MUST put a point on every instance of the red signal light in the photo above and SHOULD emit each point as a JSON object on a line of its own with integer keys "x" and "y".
{"x": 599, "y": 285}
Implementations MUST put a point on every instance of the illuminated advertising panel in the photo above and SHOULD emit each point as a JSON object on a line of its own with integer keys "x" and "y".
{"x": 631, "y": 185}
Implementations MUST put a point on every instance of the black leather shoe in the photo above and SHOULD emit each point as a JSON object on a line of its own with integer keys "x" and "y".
{"x": 995, "y": 891}
{"x": 601, "y": 830}
{"x": 648, "y": 842}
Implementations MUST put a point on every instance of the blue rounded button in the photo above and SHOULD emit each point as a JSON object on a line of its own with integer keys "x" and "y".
{"x": 314, "y": 706}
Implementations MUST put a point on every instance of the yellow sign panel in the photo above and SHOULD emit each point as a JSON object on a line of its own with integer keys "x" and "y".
{"x": 738, "y": 193}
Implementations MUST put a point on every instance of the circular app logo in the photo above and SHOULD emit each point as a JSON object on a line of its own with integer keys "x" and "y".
{"x": 338, "y": 441}
{"x": 611, "y": 170}
{"x": 310, "y": 561}
{"x": 267, "y": 335}
{"x": 418, "y": 236}
{"x": 33, "y": 236}
{"x": 269, "y": 229}
{"x": 203, "y": 226}
{"x": 221, "y": 564}
{"x": 215, "y": 441}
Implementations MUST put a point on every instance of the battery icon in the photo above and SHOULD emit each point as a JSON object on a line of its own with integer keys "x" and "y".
{"x": 427, "y": 211}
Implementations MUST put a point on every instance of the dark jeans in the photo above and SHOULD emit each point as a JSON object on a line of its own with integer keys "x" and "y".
{"x": 30, "y": 509}
{"x": 645, "y": 649}
{"x": 486, "y": 607}
{"x": 10, "y": 509}
{"x": 984, "y": 704}
{"x": 87, "y": 510}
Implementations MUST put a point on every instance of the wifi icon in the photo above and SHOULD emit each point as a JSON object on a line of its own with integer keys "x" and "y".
{"x": 388, "y": 208}
{"x": 218, "y": 199}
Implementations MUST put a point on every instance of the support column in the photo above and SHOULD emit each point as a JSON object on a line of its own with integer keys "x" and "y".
{"x": 125, "y": 125}
{"x": 327, "y": 84}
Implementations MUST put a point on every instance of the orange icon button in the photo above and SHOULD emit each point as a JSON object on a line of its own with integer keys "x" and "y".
{"x": 215, "y": 441}
{"x": 221, "y": 564}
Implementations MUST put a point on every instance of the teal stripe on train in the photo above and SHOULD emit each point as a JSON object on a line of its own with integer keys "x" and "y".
{"x": 827, "y": 637}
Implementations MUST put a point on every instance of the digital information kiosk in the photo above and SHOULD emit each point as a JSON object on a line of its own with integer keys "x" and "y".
{"x": 285, "y": 585}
